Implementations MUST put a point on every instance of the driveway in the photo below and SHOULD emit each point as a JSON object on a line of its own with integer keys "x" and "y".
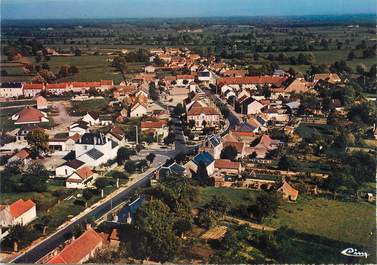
{"x": 63, "y": 119}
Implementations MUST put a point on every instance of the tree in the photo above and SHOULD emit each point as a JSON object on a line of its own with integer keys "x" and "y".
{"x": 266, "y": 204}
{"x": 101, "y": 183}
{"x": 124, "y": 154}
{"x": 34, "y": 178}
{"x": 87, "y": 194}
{"x": 129, "y": 166}
{"x": 154, "y": 221}
{"x": 286, "y": 163}
{"x": 351, "y": 55}
{"x": 169, "y": 139}
{"x": 73, "y": 69}
{"x": 17, "y": 234}
{"x": 219, "y": 204}
{"x": 201, "y": 175}
{"x": 179, "y": 109}
{"x": 266, "y": 91}
{"x": 150, "y": 157}
{"x": 229, "y": 152}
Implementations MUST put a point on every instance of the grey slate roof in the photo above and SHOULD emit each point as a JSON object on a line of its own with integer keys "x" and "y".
{"x": 94, "y": 153}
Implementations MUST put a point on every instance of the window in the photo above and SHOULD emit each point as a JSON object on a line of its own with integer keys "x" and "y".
{"x": 85, "y": 147}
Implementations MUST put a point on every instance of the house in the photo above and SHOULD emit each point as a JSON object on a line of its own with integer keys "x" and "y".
{"x": 68, "y": 168}
{"x": 80, "y": 179}
{"x": 91, "y": 118}
{"x": 184, "y": 79}
{"x": 159, "y": 128}
{"x": 206, "y": 76}
{"x": 116, "y": 134}
{"x": 212, "y": 145}
{"x": 95, "y": 149}
{"x": 203, "y": 158}
{"x": 81, "y": 87}
{"x": 251, "y": 82}
{"x": 227, "y": 167}
{"x": 264, "y": 145}
{"x": 42, "y": 103}
{"x": 22, "y": 155}
{"x": 287, "y": 191}
{"x": 58, "y": 88}
{"x": 11, "y": 89}
{"x": 150, "y": 69}
{"x": 329, "y": 77}
{"x": 79, "y": 250}
{"x": 29, "y": 115}
{"x": 24, "y": 131}
{"x": 254, "y": 107}
{"x": 79, "y": 128}
{"x": 172, "y": 169}
{"x": 234, "y": 73}
{"x": 204, "y": 116}
{"x": 20, "y": 212}
{"x": 31, "y": 90}
{"x": 298, "y": 85}
{"x": 106, "y": 84}
{"x": 244, "y": 136}
{"x": 138, "y": 110}
{"x": 63, "y": 144}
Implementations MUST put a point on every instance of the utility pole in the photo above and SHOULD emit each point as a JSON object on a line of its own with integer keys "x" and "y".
{"x": 137, "y": 136}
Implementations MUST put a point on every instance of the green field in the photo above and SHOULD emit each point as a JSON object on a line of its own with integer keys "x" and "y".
{"x": 91, "y": 68}
{"x": 236, "y": 197}
{"x": 347, "y": 222}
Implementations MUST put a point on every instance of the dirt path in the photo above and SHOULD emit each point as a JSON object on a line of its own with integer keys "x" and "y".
{"x": 63, "y": 119}
{"x": 250, "y": 224}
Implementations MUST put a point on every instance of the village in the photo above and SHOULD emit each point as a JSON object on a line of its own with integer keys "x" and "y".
{"x": 184, "y": 115}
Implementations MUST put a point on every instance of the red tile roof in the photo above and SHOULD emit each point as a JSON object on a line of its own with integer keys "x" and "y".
{"x": 29, "y": 114}
{"x": 86, "y": 84}
{"x": 19, "y": 207}
{"x": 152, "y": 124}
{"x": 275, "y": 80}
{"x": 84, "y": 172}
{"x": 226, "y": 164}
{"x": 107, "y": 82}
{"x": 33, "y": 86}
{"x": 185, "y": 77}
{"x": 79, "y": 249}
{"x": 23, "y": 154}
{"x": 238, "y": 145}
{"x": 243, "y": 134}
{"x": 205, "y": 110}
{"x": 57, "y": 86}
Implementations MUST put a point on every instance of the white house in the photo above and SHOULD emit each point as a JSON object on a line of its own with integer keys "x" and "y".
{"x": 11, "y": 89}
{"x": 31, "y": 90}
{"x": 203, "y": 158}
{"x": 95, "y": 149}
{"x": 138, "y": 110}
{"x": 91, "y": 118}
{"x": 68, "y": 168}
{"x": 116, "y": 134}
{"x": 20, "y": 212}
{"x": 79, "y": 127}
{"x": 150, "y": 69}
{"x": 254, "y": 107}
{"x": 204, "y": 116}
{"x": 212, "y": 145}
{"x": 80, "y": 179}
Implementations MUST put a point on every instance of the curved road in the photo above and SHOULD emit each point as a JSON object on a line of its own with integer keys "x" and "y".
{"x": 52, "y": 242}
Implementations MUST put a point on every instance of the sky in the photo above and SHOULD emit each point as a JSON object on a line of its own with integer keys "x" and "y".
{"x": 45, "y": 9}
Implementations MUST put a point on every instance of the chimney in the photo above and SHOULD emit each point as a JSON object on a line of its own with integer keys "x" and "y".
{"x": 88, "y": 226}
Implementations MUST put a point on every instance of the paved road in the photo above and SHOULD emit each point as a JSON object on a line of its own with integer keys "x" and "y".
{"x": 37, "y": 252}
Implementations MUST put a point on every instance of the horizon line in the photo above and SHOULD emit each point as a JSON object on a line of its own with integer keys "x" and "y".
{"x": 190, "y": 17}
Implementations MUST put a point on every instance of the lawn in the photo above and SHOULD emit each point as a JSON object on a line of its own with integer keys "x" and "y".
{"x": 236, "y": 197}
{"x": 347, "y": 222}
{"x": 17, "y": 103}
{"x": 81, "y": 107}
{"x": 306, "y": 130}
